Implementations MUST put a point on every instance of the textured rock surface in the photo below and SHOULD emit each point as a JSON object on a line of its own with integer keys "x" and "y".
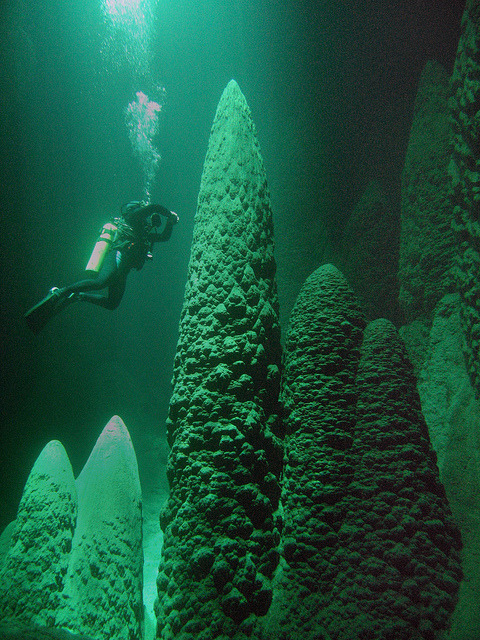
{"x": 398, "y": 531}
{"x": 76, "y": 571}
{"x": 103, "y": 589}
{"x": 320, "y": 364}
{"x": 5, "y": 539}
{"x": 426, "y": 240}
{"x": 465, "y": 171}
{"x": 370, "y": 549}
{"x": 453, "y": 417}
{"x": 220, "y": 531}
{"x": 370, "y": 253}
{"x": 438, "y": 341}
{"x": 443, "y": 375}
{"x": 33, "y": 574}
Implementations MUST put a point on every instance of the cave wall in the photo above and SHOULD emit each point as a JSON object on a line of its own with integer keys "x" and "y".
{"x": 442, "y": 336}
{"x": 427, "y": 243}
{"x": 464, "y": 169}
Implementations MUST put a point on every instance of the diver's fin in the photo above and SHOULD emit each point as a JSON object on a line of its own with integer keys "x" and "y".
{"x": 38, "y": 316}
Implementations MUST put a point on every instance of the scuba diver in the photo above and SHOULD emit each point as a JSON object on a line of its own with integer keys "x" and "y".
{"x": 125, "y": 243}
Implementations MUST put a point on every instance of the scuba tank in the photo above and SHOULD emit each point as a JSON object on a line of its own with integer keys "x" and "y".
{"x": 102, "y": 247}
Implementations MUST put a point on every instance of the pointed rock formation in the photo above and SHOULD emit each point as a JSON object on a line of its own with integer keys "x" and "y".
{"x": 465, "y": 172}
{"x": 453, "y": 416}
{"x": 33, "y": 574}
{"x": 321, "y": 359}
{"x": 103, "y": 589}
{"x": 80, "y": 574}
{"x": 400, "y": 546}
{"x": 426, "y": 239}
{"x": 369, "y": 547}
{"x": 370, "y": 253}
{"x": 220, "y": 529}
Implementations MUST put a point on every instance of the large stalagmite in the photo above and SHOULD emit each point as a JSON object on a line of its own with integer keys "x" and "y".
{"x": 103, "y": 587}
{"x": 465, "y": 173}
{"x": 33, "y": 576}
{"x": 71, "y": 565}
{"x": 220, "y": 528}
{"x": 321, "y": 359}
{"x": 398, "y": 534}
{"x": 369, "y": 548}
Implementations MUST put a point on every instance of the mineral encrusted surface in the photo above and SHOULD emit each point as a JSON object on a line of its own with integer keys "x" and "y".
{"x": 321, "y": 359}
{"x": 426, "y": 239}
{"x": 445, "y": 342}
{"x": 465, "y": 173}
{"x": 221, "y": 536}
{"x": 103, "y": 586}
{"x": 369, "y": 547}
{"x": 369, "y": 257}
{"x": 399, "y": 535}
{"x": 16, "y": 631}
{"x": 452, "y": 414}
{"x": 74, "y": 565}
{"x": 33, "y": 575}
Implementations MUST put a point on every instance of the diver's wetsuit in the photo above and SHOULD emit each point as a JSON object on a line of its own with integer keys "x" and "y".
{"x": 128, "y": 252}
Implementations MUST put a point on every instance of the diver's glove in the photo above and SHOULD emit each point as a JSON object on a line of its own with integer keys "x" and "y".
{"x": 156, "y": 220}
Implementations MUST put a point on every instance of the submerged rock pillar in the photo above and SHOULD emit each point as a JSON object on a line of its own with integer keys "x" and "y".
{"x": 76, "y": 564}
{"x": 220, "y": 530}
{"x": 103, "y": 587}
{"x": 465, "y": 173}
{"x": 322, "y": 354}
{"x": 33, "y": 575}
{"x": 400, "y": 546}
{"x": 369, "y": 547}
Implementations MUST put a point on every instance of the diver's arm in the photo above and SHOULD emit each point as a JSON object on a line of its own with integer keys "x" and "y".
{"x": 156, "y": 208}
{"x": 164, "y": 235}
{"x": 141, "y": 214}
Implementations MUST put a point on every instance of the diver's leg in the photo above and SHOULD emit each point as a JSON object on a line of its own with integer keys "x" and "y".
{"x": 108, "y": 274}
{"x": 112, "y": 299}
{"x": 38, "y": 316}
{"x": 112, "y": 275}
{"x": 55, "y": 301}
{"x": 115, "y": 278}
